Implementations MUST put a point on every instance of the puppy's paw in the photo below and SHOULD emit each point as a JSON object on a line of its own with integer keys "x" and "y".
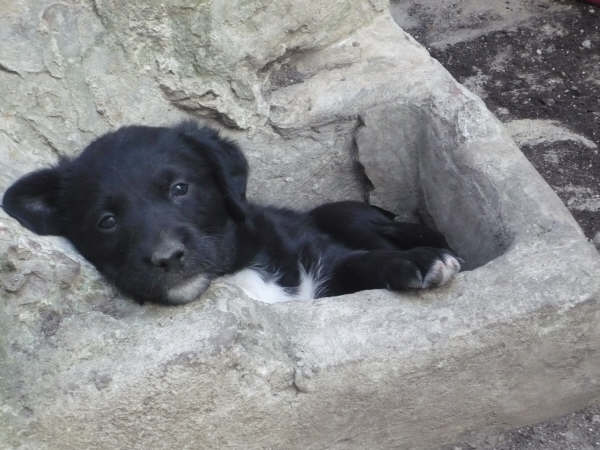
{"x": 441, "y": 271}
{"x": 420, "y": 268}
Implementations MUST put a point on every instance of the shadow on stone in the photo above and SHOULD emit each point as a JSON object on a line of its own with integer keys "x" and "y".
{"x": 410, "y": 160}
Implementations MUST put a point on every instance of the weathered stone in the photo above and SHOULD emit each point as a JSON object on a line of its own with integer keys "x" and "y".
{"x": 538, "y": 131}
{"x": 313, "y": 92}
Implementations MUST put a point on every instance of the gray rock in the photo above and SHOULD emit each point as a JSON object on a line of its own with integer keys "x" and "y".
{"x": 313, "y": 92}
{"x": 538, "y": 131}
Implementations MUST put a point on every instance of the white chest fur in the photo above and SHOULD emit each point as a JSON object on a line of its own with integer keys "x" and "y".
{"x": 252, "y": 282}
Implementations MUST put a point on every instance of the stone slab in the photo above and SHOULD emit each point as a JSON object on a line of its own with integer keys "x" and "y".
{"x": 512, "y": 341}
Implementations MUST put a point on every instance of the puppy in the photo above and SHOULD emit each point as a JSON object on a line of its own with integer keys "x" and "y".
{"x": 161, "y": 212}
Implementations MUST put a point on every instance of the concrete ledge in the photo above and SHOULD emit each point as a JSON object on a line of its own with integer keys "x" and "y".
{"x": 512, "y": 341}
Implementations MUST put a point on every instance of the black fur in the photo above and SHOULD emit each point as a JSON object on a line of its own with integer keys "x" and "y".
{"x": 152, "y": 207}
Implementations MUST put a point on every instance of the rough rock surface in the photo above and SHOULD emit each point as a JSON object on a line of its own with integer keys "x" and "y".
{"x": 534, "y": 64}
{"x": 313, "y": 93}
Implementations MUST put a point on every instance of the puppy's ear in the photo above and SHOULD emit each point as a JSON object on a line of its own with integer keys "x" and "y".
{"x": 33, "y": 201}
{"x": 227, "y": 161}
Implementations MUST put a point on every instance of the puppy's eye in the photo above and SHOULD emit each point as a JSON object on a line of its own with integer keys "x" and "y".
{"x": 179, "y": 189}
{"x": 107, "y": 222}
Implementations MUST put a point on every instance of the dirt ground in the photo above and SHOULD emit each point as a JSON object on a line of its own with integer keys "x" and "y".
{"x": 536, "y": 63}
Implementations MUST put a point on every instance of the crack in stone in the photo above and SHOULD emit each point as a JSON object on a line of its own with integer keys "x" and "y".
{"x": 45, "y": 139}
{"x": 6, "y": 69}
{"x": 365, "y": 183}
{"x": 280, "y": 59}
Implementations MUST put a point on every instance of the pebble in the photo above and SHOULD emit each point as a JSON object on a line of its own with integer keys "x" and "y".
{"x": 595, "y": 417}
{"x": 587, "y": 44}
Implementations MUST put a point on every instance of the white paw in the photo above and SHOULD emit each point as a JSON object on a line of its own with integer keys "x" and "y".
{"x": 441, "y": 271}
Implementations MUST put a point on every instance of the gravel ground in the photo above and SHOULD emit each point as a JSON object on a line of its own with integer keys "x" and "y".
{"x": 536, "y": 64}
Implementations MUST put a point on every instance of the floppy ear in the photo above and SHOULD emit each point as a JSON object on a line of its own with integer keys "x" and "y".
{"x": 33, "y": 201}
{"x": 227, "y": 161}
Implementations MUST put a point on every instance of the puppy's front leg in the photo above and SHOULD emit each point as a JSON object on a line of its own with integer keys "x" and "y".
{"x": 418, "y": 268}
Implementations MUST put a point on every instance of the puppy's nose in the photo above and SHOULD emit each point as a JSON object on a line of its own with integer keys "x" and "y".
{"x": 168, "y": 254}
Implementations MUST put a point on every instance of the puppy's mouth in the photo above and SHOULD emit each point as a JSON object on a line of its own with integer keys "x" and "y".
{"x": 188, "y": 290}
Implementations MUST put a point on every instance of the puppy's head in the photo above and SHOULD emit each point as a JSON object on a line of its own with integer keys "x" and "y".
{"x": 155, "y": 209}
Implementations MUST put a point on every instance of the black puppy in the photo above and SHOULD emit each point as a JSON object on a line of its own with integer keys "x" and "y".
{"x": 162, "y": 211}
